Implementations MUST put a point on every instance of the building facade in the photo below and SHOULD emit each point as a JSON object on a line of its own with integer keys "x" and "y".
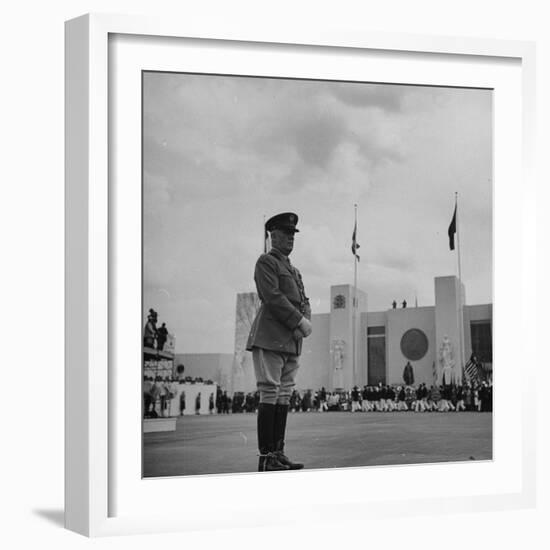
{"x": 353, "y": 346}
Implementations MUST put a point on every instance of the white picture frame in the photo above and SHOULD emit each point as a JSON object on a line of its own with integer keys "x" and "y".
{"x": 93, "y": 438}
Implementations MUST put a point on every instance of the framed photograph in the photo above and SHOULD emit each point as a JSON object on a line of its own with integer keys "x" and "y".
{"x": 289, "y": 266}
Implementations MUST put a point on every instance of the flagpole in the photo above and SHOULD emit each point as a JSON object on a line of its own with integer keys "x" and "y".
{"x": 461, "y": 305}
{"x": 354, "y": 302}
{"x": 457, "y": 237}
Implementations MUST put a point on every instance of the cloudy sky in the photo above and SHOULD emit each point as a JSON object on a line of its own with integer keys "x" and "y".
{"x": 220, "y": 153}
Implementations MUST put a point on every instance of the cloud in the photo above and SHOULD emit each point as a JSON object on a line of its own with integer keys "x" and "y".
{"x": 380, "y": 96}
{"x": 215, "y": 136}
{"x": 315, "y": 137}
{"x": 402, "y": 261}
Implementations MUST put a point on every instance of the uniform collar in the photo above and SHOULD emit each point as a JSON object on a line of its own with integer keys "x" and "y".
{"x": 278, "y": 254}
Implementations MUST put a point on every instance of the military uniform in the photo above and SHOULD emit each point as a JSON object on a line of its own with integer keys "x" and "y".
{"x": 275, "y": 341}
{"x": 283, "y": 304}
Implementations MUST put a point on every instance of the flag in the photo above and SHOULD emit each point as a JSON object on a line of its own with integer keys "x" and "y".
{"x": 471, "y": 370}
{"x": 452, "y": 231}
{"x": 354, "y": 243}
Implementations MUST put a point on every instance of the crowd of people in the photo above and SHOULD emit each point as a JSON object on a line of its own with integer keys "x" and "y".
{"x": 381, "y": 398}
{"x": 388, "y": 398}
{"x": 158, "y": 391}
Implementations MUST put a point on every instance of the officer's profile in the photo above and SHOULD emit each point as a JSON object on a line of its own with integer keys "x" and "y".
{"x": 275, "y": 339}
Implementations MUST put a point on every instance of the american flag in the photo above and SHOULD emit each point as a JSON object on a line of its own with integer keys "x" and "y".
{"x": 472, "y": 371}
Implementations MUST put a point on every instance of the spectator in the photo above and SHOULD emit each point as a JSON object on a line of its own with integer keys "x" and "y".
{"x": 460, "y": 395}
{"x": 323, "y": 400}
{"x": 198, "y": 403}
{"x": 147, "y": 397}
{"x": 211, "y": 404}
{"x": 171, "y": 390}
{"x": 377, "y": 398}
{"x": 484, "y": 397}
{"x": 477, "y": 400}
{"x": 424, "y": 396}
{"x": 315, "y": 401}
{"x": 451, "y": 397}
{"x": 401, "y": 404}
{"x": 365, "y": 403}
{"x": 219, "y": 406}
{"x": 469, "y": 398}
{"x": 445, "y": 399}
{"x": 249, "y": 403}
{"x": 155, "y": 393}
{"x": 149, "y": 333}
{"x": 162, "y": 395}
{"x": 454, "y": 399}
{"x": 372, "y": 397}
{"x": 294, "y": 403}
{"x": 435, "y": 396}
{"x": 410, "y": 397}
{"x": 224, "y": 403}
{"x": 390, "y": 399}
{"x": 383, "y": 397}
{"x": 345, "y": 401}
{"x": 419, "y": 404}
{"x": 355, "y": 406}
{"x": 333, "y": 402}
{"x": 238, "y": 402}
{"x": 306, "y": 401}
{"x": 162, "y": 335}
{"x": 182, "y": 403}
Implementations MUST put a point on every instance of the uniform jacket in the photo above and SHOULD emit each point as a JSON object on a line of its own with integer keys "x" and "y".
{"x": 283, "y": 304}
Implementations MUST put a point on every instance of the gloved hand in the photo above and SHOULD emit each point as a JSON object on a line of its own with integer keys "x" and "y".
{"x": 305, "y": 327}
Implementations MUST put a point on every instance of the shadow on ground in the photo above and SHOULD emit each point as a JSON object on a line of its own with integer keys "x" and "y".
{"x": 57, "y": 517}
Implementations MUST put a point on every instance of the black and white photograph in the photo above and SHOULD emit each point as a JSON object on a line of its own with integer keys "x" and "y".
{"x": 317, "y": 274}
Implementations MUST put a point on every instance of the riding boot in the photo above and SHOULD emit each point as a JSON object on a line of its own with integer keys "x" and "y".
{"x": 268, "y": 461}
{"x": 279, "y": 428}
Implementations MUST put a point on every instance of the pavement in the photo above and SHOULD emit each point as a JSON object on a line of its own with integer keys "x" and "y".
{"x": 227, "y": 443}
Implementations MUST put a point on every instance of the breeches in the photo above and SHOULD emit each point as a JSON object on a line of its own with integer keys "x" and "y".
{"x": 275, "y": 375}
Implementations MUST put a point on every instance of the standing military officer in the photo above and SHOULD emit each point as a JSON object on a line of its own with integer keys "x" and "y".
{"x": 275, "y": 339}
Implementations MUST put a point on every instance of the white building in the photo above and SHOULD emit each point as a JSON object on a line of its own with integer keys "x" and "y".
{"x": 384, "y": 340}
